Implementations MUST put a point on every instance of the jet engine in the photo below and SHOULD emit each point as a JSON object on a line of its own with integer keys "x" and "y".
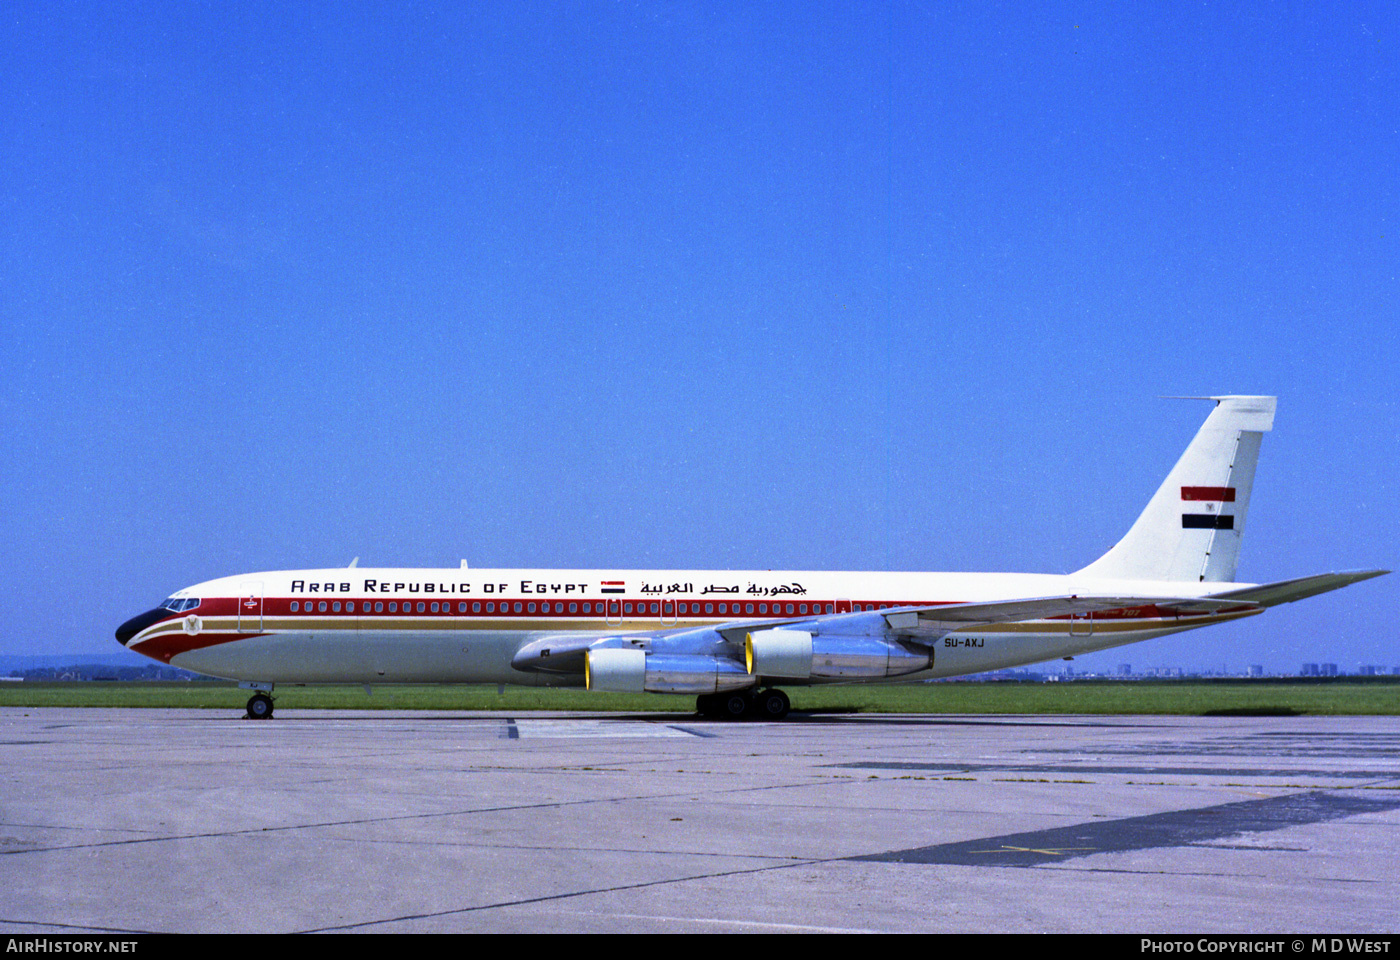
{"x": 630, "y": 670}
{"x": 799, "y": 655}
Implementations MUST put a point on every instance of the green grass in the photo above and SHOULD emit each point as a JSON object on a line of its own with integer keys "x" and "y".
{"x": 1330, "y": 696}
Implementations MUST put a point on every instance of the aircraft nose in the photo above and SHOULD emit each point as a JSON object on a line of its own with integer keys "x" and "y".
{"x": 138, "y": 623}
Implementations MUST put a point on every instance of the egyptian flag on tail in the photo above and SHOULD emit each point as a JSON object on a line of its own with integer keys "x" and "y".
{"x": 1212, "y": 500}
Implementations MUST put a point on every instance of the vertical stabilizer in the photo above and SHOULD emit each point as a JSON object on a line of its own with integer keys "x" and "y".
{"x": 1192, "y": 527}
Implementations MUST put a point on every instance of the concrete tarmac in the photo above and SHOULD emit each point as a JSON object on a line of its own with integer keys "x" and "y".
{"x": 117, "y": 821}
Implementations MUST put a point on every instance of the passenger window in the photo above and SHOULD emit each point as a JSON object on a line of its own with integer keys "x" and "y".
{"x": 748, "y": 608}
{"x": 294, "y": 606}
{"x": 393, "y": 608}
{"x": 322, "y": 606}
{"x": 517, "y": 606}
{"x": 709, "y": 608}
{"x": 379, "y": 606}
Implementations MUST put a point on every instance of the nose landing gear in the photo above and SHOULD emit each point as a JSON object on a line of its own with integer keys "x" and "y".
{"x": 259, "y": 707}
{"x": 260, "y": 703}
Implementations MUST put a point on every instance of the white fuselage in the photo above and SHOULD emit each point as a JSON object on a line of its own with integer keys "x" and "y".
{"x": 451, "y": 625}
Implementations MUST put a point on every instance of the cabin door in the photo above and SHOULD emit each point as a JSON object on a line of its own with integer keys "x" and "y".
{"x": 250, "y": 607}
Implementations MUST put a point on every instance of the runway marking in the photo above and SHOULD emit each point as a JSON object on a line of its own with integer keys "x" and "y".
{"x": 1048, "y": 853}
{"x": 1279, "y": 743}
{"x": 1174, "y": 828}
{"x": 579, "y": 729}
{"x": 719, "y": 921}
{"x": 1033, "y": 767}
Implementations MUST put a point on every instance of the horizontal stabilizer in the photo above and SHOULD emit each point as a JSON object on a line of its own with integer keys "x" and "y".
{"x": 1286, "y": 591}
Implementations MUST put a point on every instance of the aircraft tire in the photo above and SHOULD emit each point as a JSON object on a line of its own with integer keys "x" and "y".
{"x": 259, "y": 707}
{"x": 710, "y": 706}
{"x": 736, "y": 706}
{"x": 771, "y": 705}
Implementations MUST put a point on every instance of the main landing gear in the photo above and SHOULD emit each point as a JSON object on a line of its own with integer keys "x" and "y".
{"x": 770, "y": 704}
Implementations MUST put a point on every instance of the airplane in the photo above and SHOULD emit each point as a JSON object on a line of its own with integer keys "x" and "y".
{"x": 730, "y": 638}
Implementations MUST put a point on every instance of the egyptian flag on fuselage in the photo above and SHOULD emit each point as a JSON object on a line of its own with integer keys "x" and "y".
{"x": 1213, "y": 501}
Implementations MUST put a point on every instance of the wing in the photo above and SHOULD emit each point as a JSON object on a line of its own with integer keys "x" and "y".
{"x": 923, "y": 625}
{"x": 932, "y": 623}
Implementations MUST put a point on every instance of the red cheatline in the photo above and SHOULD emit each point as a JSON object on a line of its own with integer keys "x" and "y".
{"x": 1223, "y": 494}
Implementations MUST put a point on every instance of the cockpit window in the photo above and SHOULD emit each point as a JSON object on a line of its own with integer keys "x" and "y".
{"x": 180, "y": 604}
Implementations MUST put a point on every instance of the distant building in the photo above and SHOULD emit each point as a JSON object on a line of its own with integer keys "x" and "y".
{"x": 1329, "y": 670}
{"x": 1310, "y": 670}
{"x": 1125, "y": 669}
{"x": 1254, "y": 670}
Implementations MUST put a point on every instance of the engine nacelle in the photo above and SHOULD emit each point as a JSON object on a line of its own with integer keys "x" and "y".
{"x": 779, "y": 653}
{"x": 630, "y": 670}
{"x": 798, "y": 654}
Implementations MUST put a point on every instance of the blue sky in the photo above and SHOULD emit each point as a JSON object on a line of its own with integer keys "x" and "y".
{"x": 785, "y": 285}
